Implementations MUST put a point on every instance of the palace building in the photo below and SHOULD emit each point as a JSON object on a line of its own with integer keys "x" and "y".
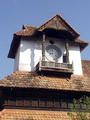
{"x": 48, "y": 73}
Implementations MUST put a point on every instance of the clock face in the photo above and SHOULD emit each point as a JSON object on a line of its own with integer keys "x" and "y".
{"x": 54, "y": 52}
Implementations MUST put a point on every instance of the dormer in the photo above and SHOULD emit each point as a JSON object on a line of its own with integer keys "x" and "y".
{"x": 52, "y": 47}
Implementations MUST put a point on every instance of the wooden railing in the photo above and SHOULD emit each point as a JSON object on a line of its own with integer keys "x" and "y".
{"x": 53, "y": 66}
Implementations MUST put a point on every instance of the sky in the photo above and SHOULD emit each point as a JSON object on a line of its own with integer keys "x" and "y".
{"x": 15, "y": 13}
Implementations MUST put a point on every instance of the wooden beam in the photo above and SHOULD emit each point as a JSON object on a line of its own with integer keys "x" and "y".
{"x": 43, "y": 47}
{"x": 67, "y": 51}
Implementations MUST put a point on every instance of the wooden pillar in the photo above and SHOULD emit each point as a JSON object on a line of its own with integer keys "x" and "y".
{"x": 67, "y": 51}
{"x": 43, "y": 46}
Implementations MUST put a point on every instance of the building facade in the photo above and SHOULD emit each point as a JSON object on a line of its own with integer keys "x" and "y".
{"x": 48, "y": 73}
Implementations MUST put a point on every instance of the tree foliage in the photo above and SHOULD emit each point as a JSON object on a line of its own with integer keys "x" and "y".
{"x": 83, "y": 111}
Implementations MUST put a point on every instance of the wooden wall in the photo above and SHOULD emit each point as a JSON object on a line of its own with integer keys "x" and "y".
{"x": 41, "y": 99}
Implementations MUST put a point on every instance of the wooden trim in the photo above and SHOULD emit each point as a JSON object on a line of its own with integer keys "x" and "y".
{"x": 55, "y": 67}
{"x": 67, "y": 51}
{"x": 43, "y": 47}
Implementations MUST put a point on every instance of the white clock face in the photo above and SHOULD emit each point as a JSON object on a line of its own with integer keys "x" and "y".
{"x": 54, "y": 52}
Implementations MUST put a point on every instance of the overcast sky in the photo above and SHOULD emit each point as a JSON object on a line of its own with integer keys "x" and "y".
{"x": 15, "y": 13}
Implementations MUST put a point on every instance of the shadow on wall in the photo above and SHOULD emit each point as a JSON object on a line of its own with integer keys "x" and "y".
{"x": 32, "y": 58}
{"x": 29, "y": 57}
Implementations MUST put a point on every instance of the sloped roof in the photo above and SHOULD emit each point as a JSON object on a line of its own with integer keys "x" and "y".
{"x": 57, "y": 23}
{"x": 20, "y": 114}
{"x": 86, "y": 68}
{"x": 27, "y": 31}
{"x": 22, "y": 79}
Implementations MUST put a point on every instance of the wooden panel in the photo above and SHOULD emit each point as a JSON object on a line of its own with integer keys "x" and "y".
{"x": 10, "y": 101}
{"x": 27, "y": 102}
{"x": 64, "y": 104}
{"x": 43, "y": 47}
{"x": 57, "y": 104}
{"x": 19, "y": 102}
{"x": 49, "y": 104}
{"x": 34, "y": 103}
{"x": 43, "y": 99}
{"x": 67, "y": 51}
{"x": 42, "y": 103}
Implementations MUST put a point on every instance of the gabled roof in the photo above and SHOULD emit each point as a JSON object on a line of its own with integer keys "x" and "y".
{"x": 22, "y": 79}
{"x": 58, "y": 23}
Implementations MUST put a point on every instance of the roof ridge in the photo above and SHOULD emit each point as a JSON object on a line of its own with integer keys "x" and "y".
{"x": 27, "y": 26}
{"x": 48, "y": 21}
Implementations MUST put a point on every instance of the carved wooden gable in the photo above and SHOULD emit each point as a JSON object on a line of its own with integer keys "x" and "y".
{"x": 58, "y": 23}
{"x": 55, "y": 23}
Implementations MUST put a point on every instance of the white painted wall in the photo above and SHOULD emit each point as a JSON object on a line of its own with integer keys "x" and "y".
{"x": 16, "y": 61}
{"x": 75, "y": 58}
{"x": 30, "y": 53}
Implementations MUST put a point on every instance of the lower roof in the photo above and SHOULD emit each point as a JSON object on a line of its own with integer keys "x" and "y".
{"x": 21, "y": 79}
{"x": 20, "y": 114}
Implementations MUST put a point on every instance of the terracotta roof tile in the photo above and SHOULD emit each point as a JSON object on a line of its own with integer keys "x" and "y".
{"x": 30, "y": 31}
{"x": 26, "y": 31}
{"x": 19, "y": 114}
{"x": 29, "y": 27}
{"x": 86, "y": 67}
{"x": 33, "y": 80}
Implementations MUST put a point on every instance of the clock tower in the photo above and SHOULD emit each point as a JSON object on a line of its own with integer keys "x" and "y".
{"x": 53, "y": 47}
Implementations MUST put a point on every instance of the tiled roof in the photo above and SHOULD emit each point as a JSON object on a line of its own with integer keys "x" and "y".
{"x": 32, "y": 80}
{"x": 30, "y": 30}
{"x": 86, "y": 68}
{"x": 82, "y": 43}
{"x": 27, "y": 31}
{"x": 20, "y": 114}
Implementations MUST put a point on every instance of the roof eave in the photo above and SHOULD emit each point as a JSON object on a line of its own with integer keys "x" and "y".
{"x": 14, "y": 46}
{"x": 83, "y": 46}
